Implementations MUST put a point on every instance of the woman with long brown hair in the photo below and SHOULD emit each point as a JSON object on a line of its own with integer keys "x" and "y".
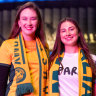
{"x": 71, "y": 66}
{"x": 23, "y": 56}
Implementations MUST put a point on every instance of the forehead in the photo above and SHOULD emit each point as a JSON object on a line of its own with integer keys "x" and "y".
{"x": 28, "y": 12}
{"x": 67, "y": 24}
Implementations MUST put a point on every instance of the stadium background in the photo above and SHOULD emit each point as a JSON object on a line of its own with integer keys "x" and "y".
{"x": 52, "y": 11}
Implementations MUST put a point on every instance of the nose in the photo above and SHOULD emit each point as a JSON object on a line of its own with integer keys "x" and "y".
{"x": 29, "y": 22}
{"x": 68, "y": 32}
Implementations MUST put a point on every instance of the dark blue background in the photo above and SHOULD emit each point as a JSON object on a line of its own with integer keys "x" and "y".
{"x": 6, "y": 1}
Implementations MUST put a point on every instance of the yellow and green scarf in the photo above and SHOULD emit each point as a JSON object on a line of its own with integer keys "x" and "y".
{"x": 20, "y": 77}
{"x": 85, "y": 76}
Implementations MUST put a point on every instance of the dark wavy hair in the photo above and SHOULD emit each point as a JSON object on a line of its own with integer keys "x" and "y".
{"x": 59, "y": 46}
{"x": 16, "y": 29}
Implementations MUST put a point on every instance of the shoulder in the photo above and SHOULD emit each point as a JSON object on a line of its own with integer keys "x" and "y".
{"x": 7, "y": 44}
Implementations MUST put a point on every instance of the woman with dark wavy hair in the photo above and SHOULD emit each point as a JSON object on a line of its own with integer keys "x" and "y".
{"x": 71, "y": 66}
{"x": 23, "y": 56}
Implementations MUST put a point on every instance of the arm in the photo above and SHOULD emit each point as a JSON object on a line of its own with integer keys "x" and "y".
{"x": 4, "y": 70}
{"x": 5, "y": 62}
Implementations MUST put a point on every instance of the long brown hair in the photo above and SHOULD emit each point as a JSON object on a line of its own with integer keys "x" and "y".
{"x": 59, "y": 46}
{"x": 39, "y": 32}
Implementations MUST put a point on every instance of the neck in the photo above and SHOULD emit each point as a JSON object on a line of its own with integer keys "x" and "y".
{"x": 71, "y": 49}
{"x": 29, "y": 37}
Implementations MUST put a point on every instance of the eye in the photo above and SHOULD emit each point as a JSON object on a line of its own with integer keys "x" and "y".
{"x": 24, "y": 18}
{"x": 72, "y": 28}
{"x": 63, "y": 30}
{"x": 34, "y": 18}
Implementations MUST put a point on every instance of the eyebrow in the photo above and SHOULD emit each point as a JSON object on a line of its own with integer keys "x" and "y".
{"x": 72, "y": 27}
{"x": 62, "y": 29}
{"x": 31, "y": 17}
{"x": 68, "y": 27}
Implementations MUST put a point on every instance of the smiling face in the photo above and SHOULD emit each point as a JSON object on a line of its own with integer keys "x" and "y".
{"x": 28, "y": 22}
{"x": 68, "y": 34}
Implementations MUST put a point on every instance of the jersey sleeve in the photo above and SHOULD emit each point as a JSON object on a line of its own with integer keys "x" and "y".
{"x": 5, "y": 53}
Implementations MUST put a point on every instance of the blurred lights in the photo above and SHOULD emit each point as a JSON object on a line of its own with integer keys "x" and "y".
{"x": 86, "y": 37}
{"x": 91, "y": 36}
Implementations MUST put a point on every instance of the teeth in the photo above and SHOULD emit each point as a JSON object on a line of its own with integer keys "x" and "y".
{"x": 68, "y": 38}
{"x": 29, "y": 28}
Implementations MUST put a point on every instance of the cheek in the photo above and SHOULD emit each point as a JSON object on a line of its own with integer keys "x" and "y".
{"x": 35, "y": 23}
{"x": 75, "y": 34}
{"x": 19, "y": 23}
{"x": 76, "y": 37}
{"x": 62, "y": 35}
{"x": 62, "y": 38}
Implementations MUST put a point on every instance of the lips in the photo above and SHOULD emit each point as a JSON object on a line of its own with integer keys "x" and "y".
{"x": 29, "y": 28}
{"x": 68, "y": 38}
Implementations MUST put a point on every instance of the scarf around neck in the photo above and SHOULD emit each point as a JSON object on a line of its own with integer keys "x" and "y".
{"x": 21, "y": 79}
{"x": 84, "y": 74}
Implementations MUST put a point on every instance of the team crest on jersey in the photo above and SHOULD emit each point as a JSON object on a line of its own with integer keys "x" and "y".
{"x": 20, "y": 74}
